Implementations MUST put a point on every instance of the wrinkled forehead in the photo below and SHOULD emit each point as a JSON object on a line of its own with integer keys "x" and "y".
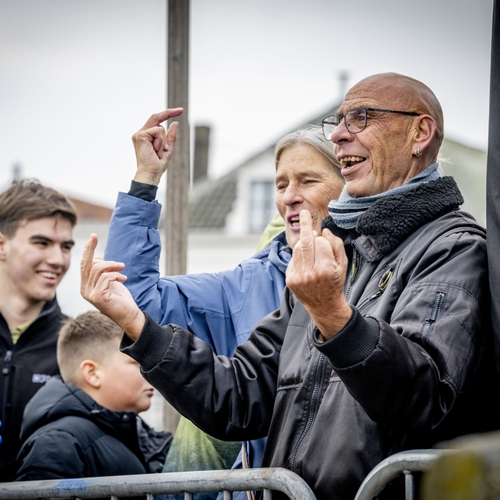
{"x": 392, "y": 91}
{"x": 371, "y": 95}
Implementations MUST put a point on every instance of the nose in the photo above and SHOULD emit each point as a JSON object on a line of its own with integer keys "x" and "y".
{"x": 292, "y": 194}
{"x": 341, "y": 134}
{"x": 56, "y": 256}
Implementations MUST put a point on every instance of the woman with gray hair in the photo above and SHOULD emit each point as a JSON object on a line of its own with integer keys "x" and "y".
{"x": 309, "y": 135}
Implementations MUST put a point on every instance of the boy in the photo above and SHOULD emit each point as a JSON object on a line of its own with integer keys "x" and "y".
{"x": 88, "y": 426}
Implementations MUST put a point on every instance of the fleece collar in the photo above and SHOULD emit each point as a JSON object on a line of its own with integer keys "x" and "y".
{"x": 392, "y": 219}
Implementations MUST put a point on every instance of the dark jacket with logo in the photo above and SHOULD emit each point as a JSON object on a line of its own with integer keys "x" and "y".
{"x": 24, "y": 368}
{"x": 409, "y": 369}
{"x": 66, "y": 434}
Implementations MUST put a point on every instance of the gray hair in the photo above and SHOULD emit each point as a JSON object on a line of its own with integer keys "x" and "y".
{"x": 311, "y": 135}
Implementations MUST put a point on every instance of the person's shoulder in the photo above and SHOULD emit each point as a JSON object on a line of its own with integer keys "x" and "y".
{"x": 58, "y": 449}
{"x": 277, "y": 244}
{"x": 66, "y": 431}
{"x": 459, "y": 221}
{"x": 470, "y": 221}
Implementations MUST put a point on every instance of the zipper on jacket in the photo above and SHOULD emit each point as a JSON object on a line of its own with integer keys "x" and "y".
{"x": 436, "y": 309}
{"x": 382, "y": 285}
{"x": 7, "y": 361}
{"x": 313, "y": 406}
{"x": 377, "y": 294}
{"x": 355, "y": 267}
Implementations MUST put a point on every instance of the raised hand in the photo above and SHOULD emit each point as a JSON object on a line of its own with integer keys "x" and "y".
{"x": 316, "y": 276}
{"x": 102, "y": 286}
{"x": 154, "y": 146}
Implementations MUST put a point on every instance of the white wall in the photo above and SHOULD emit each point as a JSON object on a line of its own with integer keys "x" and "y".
{"x": 68, "y": 292}
{"x": 260, "y": 168}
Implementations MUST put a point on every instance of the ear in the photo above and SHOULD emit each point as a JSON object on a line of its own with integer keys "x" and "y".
{"x": 3, "y": 240}
{"x": 424, "y": 132}
{"x": 90, "y": 373}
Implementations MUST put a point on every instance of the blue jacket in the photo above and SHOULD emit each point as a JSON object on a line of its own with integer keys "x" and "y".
{"x": 219, "y": 308}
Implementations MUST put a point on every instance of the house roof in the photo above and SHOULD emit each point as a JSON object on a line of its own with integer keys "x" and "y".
{"x": 211, "y": 200}
{"x": 87, "y": 211}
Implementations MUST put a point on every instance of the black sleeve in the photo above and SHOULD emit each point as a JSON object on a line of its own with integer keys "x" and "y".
{"x": 144, "y": 191}
{"x": 231, "y": 399}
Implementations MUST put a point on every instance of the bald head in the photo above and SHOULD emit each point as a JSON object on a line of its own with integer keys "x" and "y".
{"x": 401, "y": 92}
{"x": 392, "y": 129}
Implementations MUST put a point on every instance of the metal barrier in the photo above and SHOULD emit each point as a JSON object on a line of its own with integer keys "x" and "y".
{"x": 405, "y": 462}
{"x": 265, "y": 479}
{"x": 227, "y": 481}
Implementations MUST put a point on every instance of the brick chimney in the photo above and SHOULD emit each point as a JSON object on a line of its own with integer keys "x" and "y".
{"x": 201, "y": 148}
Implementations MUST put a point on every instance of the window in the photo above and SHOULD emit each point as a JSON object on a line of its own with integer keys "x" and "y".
{"x": 262, "y": 207}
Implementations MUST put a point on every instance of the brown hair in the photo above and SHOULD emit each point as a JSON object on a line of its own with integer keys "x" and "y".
{"x": 90, "y": 335}
{"x": 28, "y": 200}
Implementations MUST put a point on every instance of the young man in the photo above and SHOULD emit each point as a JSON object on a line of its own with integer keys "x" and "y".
{"x": 36, "y": 226}
{"x": 89, "y": 426}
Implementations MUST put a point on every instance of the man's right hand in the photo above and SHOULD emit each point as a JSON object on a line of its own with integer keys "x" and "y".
{"x": 316, "y": 276}
{"x": 153, "y": 146}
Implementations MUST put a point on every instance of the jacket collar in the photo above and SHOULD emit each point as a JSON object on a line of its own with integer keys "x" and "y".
{"x": 392, "y": 219}
{"x": 280, "y": 253}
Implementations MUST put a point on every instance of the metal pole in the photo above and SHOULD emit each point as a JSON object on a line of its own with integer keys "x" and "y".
{"x": 176, "y": 214}
{"x": 493, "y": 185}
{"x": 404, "y": 462}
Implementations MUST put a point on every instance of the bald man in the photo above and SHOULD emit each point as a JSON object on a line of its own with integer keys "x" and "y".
{"x": 381, "y": 343}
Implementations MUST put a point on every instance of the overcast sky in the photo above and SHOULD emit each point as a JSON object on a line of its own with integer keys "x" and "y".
{"x": 78, "y": 78}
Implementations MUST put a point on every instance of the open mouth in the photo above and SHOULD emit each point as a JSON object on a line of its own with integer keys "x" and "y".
{"x": 349, "y": 161}
{"x": 294, "y": 221}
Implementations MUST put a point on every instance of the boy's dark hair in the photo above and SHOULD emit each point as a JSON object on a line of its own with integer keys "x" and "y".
{"x": 90, "y": 335}
{"x": 28, "y": 200}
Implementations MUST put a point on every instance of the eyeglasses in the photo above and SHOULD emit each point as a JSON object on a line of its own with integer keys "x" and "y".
{"x": 355, "y": 120}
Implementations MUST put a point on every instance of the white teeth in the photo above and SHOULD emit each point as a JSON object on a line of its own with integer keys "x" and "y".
{"x": 294, "y": 220}
{"x": 350, "y": 159}
{"x": 46, "y": 274}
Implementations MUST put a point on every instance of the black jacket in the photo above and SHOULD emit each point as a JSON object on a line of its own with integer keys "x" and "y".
{"x": 24, "y": 368}
{"x": 402, "y": 374}
{"x": 66, "y": 434}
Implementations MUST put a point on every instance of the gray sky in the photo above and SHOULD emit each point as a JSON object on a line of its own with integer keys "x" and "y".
{"x": 78, "y": 78}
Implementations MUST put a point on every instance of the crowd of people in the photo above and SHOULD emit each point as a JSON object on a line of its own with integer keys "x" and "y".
{"x": 360, "y": 330}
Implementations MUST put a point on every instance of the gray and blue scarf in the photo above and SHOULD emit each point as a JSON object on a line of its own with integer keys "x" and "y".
{"x": 346, "y": 210}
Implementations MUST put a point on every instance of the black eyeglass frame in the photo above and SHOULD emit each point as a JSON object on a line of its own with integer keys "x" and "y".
{"x": 340, "y": 117}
